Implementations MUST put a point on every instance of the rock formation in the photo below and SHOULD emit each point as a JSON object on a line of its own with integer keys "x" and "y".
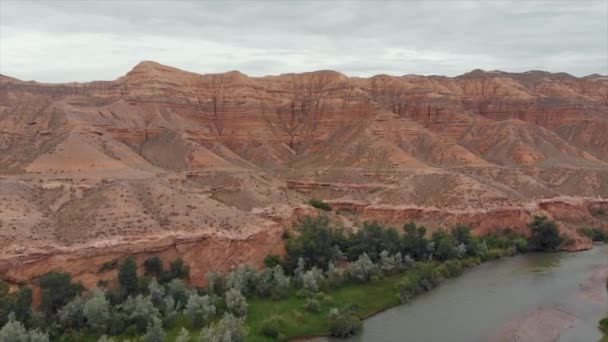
{"x": 214, "y": 167}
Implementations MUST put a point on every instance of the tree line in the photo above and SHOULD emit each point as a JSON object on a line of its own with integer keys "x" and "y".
{"x": 319, "y": 257}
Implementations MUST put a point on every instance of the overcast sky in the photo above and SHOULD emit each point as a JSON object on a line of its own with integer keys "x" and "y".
{"x": 60, "y": 41}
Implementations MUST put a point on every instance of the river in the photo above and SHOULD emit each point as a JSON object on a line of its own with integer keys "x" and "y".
{"x": 531, "y": 297}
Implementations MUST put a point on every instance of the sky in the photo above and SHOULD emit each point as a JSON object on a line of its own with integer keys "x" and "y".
{"x": 80, "y": 40}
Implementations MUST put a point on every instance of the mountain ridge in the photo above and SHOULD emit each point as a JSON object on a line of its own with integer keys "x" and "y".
{"x": 232, "y": 160}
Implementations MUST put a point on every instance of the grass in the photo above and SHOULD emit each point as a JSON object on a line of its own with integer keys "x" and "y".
{"x": 369, "y": 297}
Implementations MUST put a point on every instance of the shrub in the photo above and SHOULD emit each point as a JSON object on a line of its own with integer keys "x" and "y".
{"x": 470, "y": 262}
{"x": 312, "y": 305}
{"x": 334, "y": 275}
{"x": 454, "y": 268}
{"x": 362, "y": 269}
{"x": 343, "y": 323}
{"x": 595, "y": 234}
{"x": 315, "y": 203}
{"x": 109, "y": 265}
{"x": 272, "y": 326}
{"x": 312, "y": 280}
{"x": 545, "y": 235}
{"x": 200, "y": 309}
{"x": 272, "y": 260}
{"x": 263, "y": 285}
{"x": 215, "y": 282}
{"x": 243, "y": 279}
{"x": 280, "y": 283}
{"x": 604, "y": 325}
{"x": 236, "y": 303}
{"x": 184, "y": 336}
{"x": 229, "y": 328}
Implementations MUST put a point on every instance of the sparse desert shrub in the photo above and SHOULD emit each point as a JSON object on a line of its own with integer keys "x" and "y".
{"x": 319, "y": 204}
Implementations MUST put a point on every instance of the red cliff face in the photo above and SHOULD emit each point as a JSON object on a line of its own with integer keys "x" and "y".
{"x": 213, "y": 167}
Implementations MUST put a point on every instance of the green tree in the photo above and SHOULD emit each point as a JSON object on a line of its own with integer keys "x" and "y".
{"x": 372, "y": 239}
{"x": 155, "y": 331}
{"x": 23, "y": 305}
{"x": 271, "y": 260}
{"x": 200, "y": 309}
{"x": 314, "y": 243}
{"x": 57, "y": 291}
{"x": 178, "y": 270}
{"x": 545, "y": 235}
{"x": 96, "y": 309}
{"x": 127, "y": 276}
{"x": 229, "y": 328}
{"x": 236, "y": 303}
{"x": 13, "y": 331}
{"x": 153, "y": 267}
{"x": 445, "y": 246}
{"x": 414, "y": 242}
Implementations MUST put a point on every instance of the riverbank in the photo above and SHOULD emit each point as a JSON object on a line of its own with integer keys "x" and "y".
{"x": 369, "y": 298}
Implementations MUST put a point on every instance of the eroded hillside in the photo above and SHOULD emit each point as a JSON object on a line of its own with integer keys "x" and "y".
{"x": 215, "y": 167}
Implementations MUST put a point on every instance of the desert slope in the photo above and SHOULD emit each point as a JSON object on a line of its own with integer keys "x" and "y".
{"x": 214, "y": 167}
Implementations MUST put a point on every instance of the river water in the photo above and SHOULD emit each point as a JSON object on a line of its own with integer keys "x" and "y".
{"x": 532, "y": 297}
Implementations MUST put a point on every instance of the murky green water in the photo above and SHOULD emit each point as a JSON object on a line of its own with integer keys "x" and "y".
{"x": 492, "y": 301}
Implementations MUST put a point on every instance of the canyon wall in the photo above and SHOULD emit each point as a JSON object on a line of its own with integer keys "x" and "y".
{"x": 214, "y": 167}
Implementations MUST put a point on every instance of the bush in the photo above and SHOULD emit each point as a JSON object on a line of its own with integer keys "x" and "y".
{"x": 362, "y": 269}
{"x": 312, "y": 305}
{"x": 343, "y": 323}
{"x": 604, "y": 325}
{"x": 200, "y": 309}
{"x": 545, "y": 235}
{"x": 272, "y": 260}
{"x": 272, "y": 326}
{"x": 280, "y": 283}
{"x": 57, "y": 291}
{"x": 595, "y": 234}
{"x": 454, "y": 268}
{"x": 236, "y": 303}
{"x": 229, "y": 328}
{"x": 315, "y": 203}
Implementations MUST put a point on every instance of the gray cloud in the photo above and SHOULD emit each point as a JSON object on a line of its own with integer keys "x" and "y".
{"x": 78, "y": 40}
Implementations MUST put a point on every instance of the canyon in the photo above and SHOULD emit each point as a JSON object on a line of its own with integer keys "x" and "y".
{"x": 216, "y": 168}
